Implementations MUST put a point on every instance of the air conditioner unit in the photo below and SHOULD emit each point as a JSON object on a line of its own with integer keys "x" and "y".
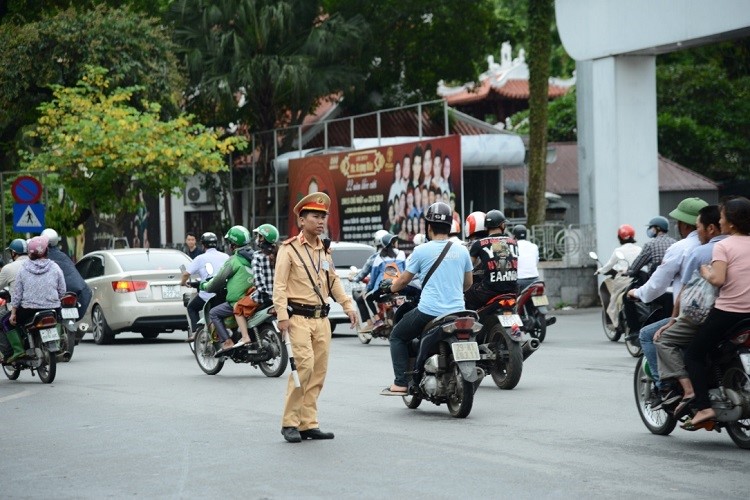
{"x": 195, "y": 193}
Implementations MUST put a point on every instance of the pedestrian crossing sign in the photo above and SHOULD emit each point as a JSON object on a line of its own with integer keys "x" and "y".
{"x": 28, "y": 218}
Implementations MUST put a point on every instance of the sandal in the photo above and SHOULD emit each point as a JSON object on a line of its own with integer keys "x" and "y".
{"x": 388, "y": 392}
{"x": 706, "y": 424}
{"x": 684, "y": 404}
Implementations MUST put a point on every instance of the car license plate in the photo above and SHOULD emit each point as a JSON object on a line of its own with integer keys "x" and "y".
{"x": 540, "y": 300}
{"x": 465, "y": 351}
{"x": 49, "y": 334}
{"x": 508, "y": 320}
{"x": 170, "y": 292}
{"x": 69, "y": 313}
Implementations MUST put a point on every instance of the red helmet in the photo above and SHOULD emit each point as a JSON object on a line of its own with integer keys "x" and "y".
{"x": 626, "y": 232}
{"x": 474, "y": 224}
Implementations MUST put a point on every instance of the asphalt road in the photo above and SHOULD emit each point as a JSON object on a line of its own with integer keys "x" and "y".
{"x": 139, "y": 419}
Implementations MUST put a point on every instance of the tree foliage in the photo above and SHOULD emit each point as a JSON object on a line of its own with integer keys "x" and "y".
{"x": 412, "y": 45}
{"x": 280, "y": 57}
{"x": 56, "y": 49}
{"x": 104, "y": 152}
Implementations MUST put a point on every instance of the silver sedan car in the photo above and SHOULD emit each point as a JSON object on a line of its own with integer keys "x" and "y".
{"x": 134, "y": 290}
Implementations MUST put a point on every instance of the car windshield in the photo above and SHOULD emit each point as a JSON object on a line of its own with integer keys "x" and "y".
{"x": 152, "y": 261}
{"x": 350, "y": 257}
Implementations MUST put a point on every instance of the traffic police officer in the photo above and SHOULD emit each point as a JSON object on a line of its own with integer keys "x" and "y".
{"x": 305, "y": 277}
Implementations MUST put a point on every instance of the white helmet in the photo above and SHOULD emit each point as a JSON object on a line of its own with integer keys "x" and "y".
{"x": 419, "y": 238}
{"x": 52, "y": 236}
{"x": 377, "y": 238}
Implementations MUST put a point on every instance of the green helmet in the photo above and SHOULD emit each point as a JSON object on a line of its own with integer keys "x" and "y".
{"x": 238, "y": 236}
{"x": 268, "y": 232}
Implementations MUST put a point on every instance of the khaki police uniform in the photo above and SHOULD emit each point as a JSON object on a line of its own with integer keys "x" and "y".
{"x": 309, "y": 328}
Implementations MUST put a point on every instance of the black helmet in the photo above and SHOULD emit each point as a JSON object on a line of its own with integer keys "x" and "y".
{"x": 519, "y": 232}
{"x": 494, "y": 219}
{"x": 660, "y": 222}
{"x": 439, "y": 213}
{"x": 209, "y": 240}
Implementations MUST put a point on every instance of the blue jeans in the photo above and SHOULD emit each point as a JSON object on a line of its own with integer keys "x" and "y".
{"x": 406, "y": 330}
{"x": 646, "y": 337}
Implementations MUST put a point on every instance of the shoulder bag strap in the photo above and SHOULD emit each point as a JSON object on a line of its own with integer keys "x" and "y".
{"x": 438, "y": 261}
{"x": 315, "y": 285}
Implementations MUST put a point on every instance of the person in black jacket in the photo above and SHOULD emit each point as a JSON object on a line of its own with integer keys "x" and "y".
{"x": 74, "y": 282}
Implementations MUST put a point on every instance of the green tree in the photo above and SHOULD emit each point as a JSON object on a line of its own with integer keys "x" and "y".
{"x": 55, "y": 50}
{"x": 27, "y": 11}
{"x": 104, "y": 152}
{"x": 412, "y": 45}
{"x": 540, "y": 15}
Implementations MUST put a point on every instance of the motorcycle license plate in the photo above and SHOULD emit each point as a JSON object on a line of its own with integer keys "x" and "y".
{"x": 508, "y": 320}
{"x": 170, "y": 292}
{"x": 745, "y": 357}
{"x": 69, "y": 313}
{"x": 49, "y": 334}
{"x": 465, "y": 351}
{"x": 540, "y": 300}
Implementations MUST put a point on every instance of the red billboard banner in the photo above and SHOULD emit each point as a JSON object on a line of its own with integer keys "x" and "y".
{"x": 386, "y": 187}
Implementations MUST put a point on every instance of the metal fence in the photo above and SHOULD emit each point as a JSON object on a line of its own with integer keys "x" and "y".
{"x": 569, "y": 244}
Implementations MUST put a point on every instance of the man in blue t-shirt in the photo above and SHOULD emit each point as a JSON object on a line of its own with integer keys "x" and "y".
{"x": 442, "y": 294}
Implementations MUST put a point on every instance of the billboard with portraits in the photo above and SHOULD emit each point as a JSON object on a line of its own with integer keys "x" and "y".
{"x": 386, "y": 187}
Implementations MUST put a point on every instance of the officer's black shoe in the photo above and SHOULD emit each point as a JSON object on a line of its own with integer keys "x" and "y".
{"x": 316, "y": 434}
{"x": 291, "y": 434}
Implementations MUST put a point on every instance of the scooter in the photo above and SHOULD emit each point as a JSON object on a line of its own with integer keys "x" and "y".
{"x": 532, "y": 305}
{"x": 41, "y": 340}
{"x": 265, "y": 351}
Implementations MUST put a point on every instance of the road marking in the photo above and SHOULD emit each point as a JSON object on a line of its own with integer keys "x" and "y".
{"x": 25, "y": 392}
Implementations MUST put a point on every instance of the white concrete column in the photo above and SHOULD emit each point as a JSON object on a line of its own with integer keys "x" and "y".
{"x": 617, "y": 146}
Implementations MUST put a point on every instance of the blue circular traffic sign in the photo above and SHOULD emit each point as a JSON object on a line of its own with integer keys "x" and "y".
{"x": 26, "y": 189}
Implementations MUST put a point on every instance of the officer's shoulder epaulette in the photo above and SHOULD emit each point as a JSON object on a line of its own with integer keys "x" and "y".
{"x": 287, "y": 242}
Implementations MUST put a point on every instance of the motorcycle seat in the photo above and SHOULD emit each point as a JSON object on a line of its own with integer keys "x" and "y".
{"x": 445, "y": 318}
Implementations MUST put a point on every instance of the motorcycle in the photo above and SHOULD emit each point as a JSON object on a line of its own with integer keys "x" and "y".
{"x": 729, "y": 395}
{"x": 503, "y": 341}
{"x": 444, "y": 363}
{"x": 265, "y": 351}
{"x": 68, "y": 318}
{"x": 532, "y": 305}
{"x": 41, "y": 340}
{"x": 611, "y": 294}
{"x": 615, "y": 288}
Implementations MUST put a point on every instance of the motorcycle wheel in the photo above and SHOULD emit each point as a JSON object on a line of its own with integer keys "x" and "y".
{"x": 506, "y": 375}
{"x": 540, "y": 327}
{"x": 658, "y": 422}
{"x": 48, "y": 369}
{"x": 609, "y": 330}
{"x": 71, "y": 343}
{"x": 460, "y": 395}
{"x": 204, "y": 353}
{"x": 412, "y": 401}
{"x": 633, "y": 348}
{"x": 739, "y": 430}
{"x": 11, "y": 371}
{"x": 103, "y": 334}
{"x": 274, "y": 367}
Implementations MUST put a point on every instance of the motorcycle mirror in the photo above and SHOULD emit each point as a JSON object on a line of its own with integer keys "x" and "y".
{"x": 593, "y": 255}
{"x": 209, "y": 269}
{"x": 183, "y": 268}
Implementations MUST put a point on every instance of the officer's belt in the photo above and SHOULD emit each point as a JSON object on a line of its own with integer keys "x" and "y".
{"x": 308, "y": 311}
